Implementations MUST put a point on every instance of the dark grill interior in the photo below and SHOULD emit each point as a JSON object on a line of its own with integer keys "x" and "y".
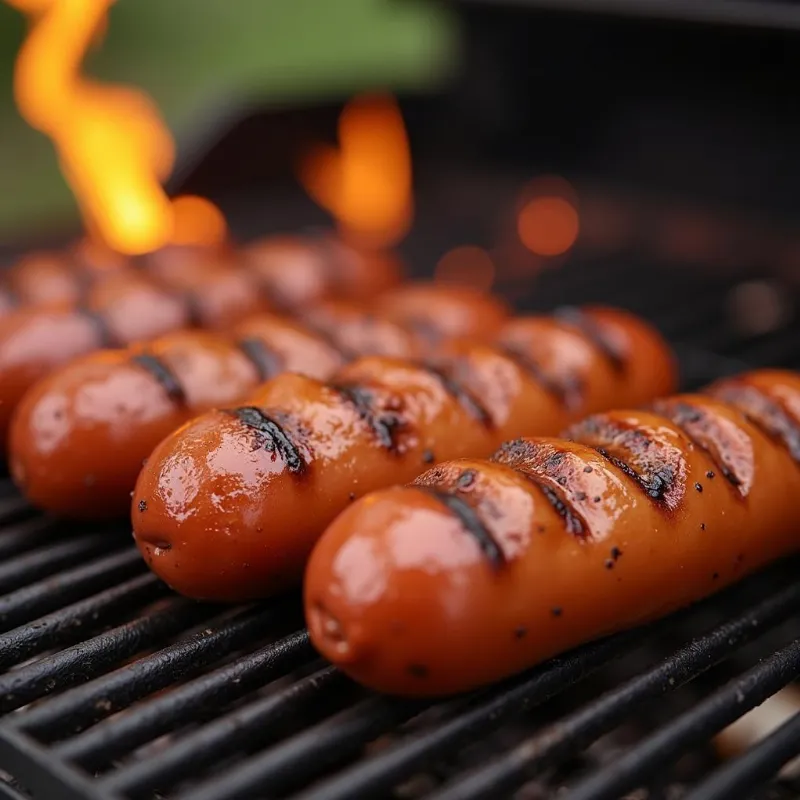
{"x": 132, "y": 692}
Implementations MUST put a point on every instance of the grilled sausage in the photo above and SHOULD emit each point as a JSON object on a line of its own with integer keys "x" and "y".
{"x": 461, "y": 311}
{"x": 299, "y": 271}
{"x": 34, "y": 341}
{"x": 480, "y": 569}
{"x": 79, "y": 436}
{"x": 285, "y": 462}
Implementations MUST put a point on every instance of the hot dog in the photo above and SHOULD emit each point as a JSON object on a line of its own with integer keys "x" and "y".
{"x": 462, "y": 311}
{"x": 282, "y": 464}
{"x": 299, "y": 271}
{"x": 480, "y": 569}
{"x": 79, "y": 436}
{"x": 47, "y": 278}
{"x": 123, "y": 308}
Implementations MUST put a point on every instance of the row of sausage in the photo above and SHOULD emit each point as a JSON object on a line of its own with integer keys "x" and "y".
{"x": 309, "y": 424}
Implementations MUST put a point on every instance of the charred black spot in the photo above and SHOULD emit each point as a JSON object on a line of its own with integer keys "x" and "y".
{"x": 576, "y": 318}
{"x": 163, "y": 374}
{"x": 266, "y": 362}
{"x": 352, "y": 496}
{"x": 615, "y": 553}
{"x": 143, "y": 505}
{"x": 710, "y": 474}
{"x": 587, "y": 469}
{"x": 556, "y": 611}
{"x": 428, "y": 457}
{"x": 580, "y": 496}
{"x": 699, "y": 487}
{"x": 609, "y": 563}
{"x": 384, "y": 424}
{"x": 273, "y": 437}
{"x": 520, "y": 632}
{"x": 460, "y": 394}
{"x": 516, "y": 450}
{"x": 702, "y": 526}
{"x": 473, "y": 525}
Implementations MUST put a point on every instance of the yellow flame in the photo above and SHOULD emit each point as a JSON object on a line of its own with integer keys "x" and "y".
{"x": 113, "y": 146}
{"x": 365, "y": 183}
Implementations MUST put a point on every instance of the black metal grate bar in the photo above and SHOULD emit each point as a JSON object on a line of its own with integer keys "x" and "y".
{"x": 709, "y": 717}
{"x": 67, "y": 587}
{"x": 573, "y": 733}
{"x": 39, "y": 563}
{"x": 75, "y": 621}
{"x": 115, "y": 737}
{"x": 87, "y": 660}
{"x": 376, "y": 775}
{"x": 308, "y": 754}
{"x": 20, "y": 536}
{"x": 740, "y": 777}
{"x": 255, "y": 724}
{"x": 86, "y": 705}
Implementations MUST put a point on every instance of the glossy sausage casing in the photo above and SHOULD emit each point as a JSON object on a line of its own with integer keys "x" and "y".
{"x": 35, "y": 341}
{"x": 83, "y": 431}
{"x": 234, "y": 501}
{"x": 300, "y": 271}
{"x": 483, "y": 568}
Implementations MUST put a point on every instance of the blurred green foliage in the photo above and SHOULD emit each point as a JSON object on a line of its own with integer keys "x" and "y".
{"x": 200, "y": 58}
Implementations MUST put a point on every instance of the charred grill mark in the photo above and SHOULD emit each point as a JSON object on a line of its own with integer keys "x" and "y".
{"x": 582, "y": 322}
{"x": 267, "y": 362}
{"x": 327, "y": 335}
{"x": 567, "y": 393}
{"x": 273, "y": 436}
{"x": 385, "y": 425}
{"x": 105, "y": 336}
{"x": 521, "y": 455}
{"x": 656, "y": 484}
{"x": 472, "y": 524}
{"x": 695, "y": 423}
{"x": 163, "y": 374}
{"x": 573, "y": 522}
{"x": 765, "y": 413}
{"x": 652, "y": 464}
{"x": 463, "y": 397}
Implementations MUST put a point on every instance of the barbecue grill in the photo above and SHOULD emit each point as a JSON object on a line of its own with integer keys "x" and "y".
{"x": 115, "y": 688}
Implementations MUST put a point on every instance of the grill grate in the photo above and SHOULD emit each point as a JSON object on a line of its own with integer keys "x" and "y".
{"x": 115, "y": 688}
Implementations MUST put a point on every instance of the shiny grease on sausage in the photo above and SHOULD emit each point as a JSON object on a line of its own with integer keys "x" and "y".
{"x": 554, "y": 542}
{"x": 229, "y": 506}
{"x": 82, "y": 432}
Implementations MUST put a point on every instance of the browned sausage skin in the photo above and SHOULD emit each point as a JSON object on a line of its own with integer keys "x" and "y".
{"x": 284, "y": 463}
{"x": 35, "y": 341}
{"x": 461, "y": 311}
{"x": 82, "y": 432}
{"x": 555, "y": 542}
{"x": 298, "y": 271}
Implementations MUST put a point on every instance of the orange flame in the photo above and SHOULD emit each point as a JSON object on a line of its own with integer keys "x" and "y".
{"x": 366, "y": 182}
{"x": 113, "y": 146}
{"x": 197, "y": 221}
